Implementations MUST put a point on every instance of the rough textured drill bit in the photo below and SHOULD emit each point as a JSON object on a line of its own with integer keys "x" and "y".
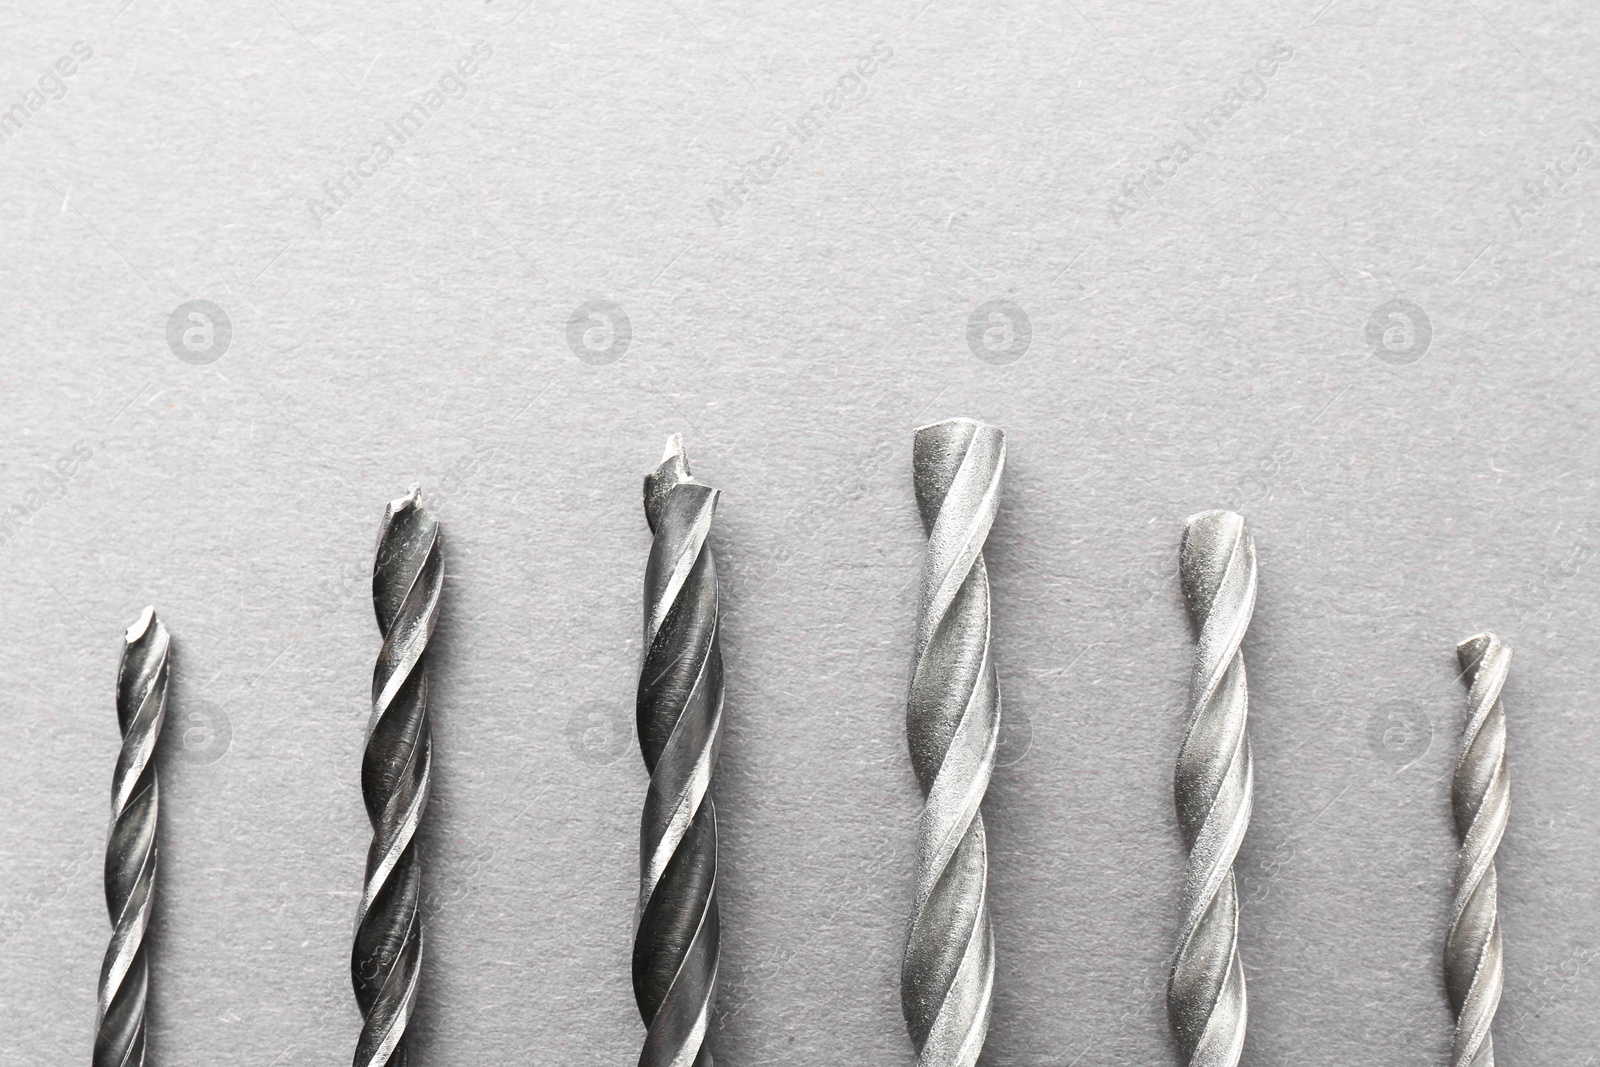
{"x": 952, "y": 726}
{"x": 386, "y": 958}
{"x": 130, "y": 871}
{"x": 675, "y": 945}
{"x": 1481, "y": 797}
{"x": 1213, "y": 787}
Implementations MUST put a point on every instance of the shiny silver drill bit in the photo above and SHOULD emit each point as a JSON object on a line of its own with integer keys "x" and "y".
{"x": 386, "y": 958}
{"x": 130, "y": 870}
{"x": 1213, "y": 787}
{"x": 1481, "y": 797}
{"x": 675, "y": 944}
{"x": 952, "y": 726}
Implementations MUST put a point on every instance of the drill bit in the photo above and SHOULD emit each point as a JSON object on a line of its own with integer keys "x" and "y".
{"x": 952, "y": 726}
{"x": 130, "y": 870}
{"x": 386, "y": 958}
{"x": 676, "y": 941}
{"x": 1213, "y": 786}
{"x": 1480, "y": 795}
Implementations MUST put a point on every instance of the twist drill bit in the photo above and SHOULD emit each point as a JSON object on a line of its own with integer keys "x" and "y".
{"x": 952, "y": 726}
{"x": 130, "y": 870}
{"x": 1481, "y": 798}
{"x": 386, "y": 958}
{"x": 1213, "y": 787}
{"x": 676, "y": 941}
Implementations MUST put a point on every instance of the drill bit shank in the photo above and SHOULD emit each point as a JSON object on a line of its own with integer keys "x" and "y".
{"x": 386, "y": 958}
{"x": 952, "y": 727}
{"x": 1481, "y": 800}
{"x": 676, "y": 941}
{"x": 130, "y": 867}
{"x": 1213, "y": 788}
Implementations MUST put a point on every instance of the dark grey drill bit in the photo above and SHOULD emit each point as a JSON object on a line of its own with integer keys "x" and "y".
{"x": 130, "y": 870}
{"x": 1481, "y": 799}
{"x": 1213, "y": 787}
{"x": 386, "y": 959}
{"x": 952, "y": 727}
{"x": 675, "y": 944}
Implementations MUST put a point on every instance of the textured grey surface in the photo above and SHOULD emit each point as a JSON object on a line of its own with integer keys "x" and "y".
{"x": 1208, "y": 349}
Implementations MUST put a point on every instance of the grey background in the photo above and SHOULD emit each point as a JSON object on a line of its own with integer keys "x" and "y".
{"x": 1208, "y": 350}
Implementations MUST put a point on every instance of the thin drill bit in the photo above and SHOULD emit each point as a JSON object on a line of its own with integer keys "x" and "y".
{"x": 1480, "y": 795}
{"x": 1213, "y": 787}
{"x": 676, "y": 941}
{"x": 952, "y": 727}
{"x": 386, "y": 958}
{"x": 130, "y": 869}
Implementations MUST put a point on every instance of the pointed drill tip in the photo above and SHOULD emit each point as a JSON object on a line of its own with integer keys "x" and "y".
{"x": 672, "y": 470}
{"x": 674, "y": 466}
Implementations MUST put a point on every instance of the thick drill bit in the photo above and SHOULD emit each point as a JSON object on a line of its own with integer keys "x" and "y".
{"x": 952, "y": 726}
{"x": 1213, "y": 787}
{"x": 130, "y": 871}
{"x": 1481, "y": 797}
{"x": 386, "y": 958}
{"x": 675, "y": 944}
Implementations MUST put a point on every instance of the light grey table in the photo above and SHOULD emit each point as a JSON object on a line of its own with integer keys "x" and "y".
{"x": 795, "y": 218}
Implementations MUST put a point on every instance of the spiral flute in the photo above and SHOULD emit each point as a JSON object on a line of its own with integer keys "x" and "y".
{"x": 130, "y": 869}
{"x": 675, "y": 945}
{"x": 1481, "y": 798}
{"x": 386, "y": 958}
{"x": 952, "y": 727}
{"x": 1213, "y": 787}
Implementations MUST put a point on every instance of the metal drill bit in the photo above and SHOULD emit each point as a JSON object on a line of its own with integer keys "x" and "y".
{"x": 1480, "y": 795}
{"x": 675, "y": 944}
{"x": 1213, "y": 787}
{"x": 130, "y": 869}
{"x": 952, "y": 726}
{"x": 386, "y": 958}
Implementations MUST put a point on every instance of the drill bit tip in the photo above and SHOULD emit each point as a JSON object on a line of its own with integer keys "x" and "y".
{"x": 413, "y": 498}
{"x": 673, "y": 470}
{"x": 1471, "y": 650}
{"x": 1212, "y": 542}
{"x": 142, "y": 624}
{"x": 956, "y": 420}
